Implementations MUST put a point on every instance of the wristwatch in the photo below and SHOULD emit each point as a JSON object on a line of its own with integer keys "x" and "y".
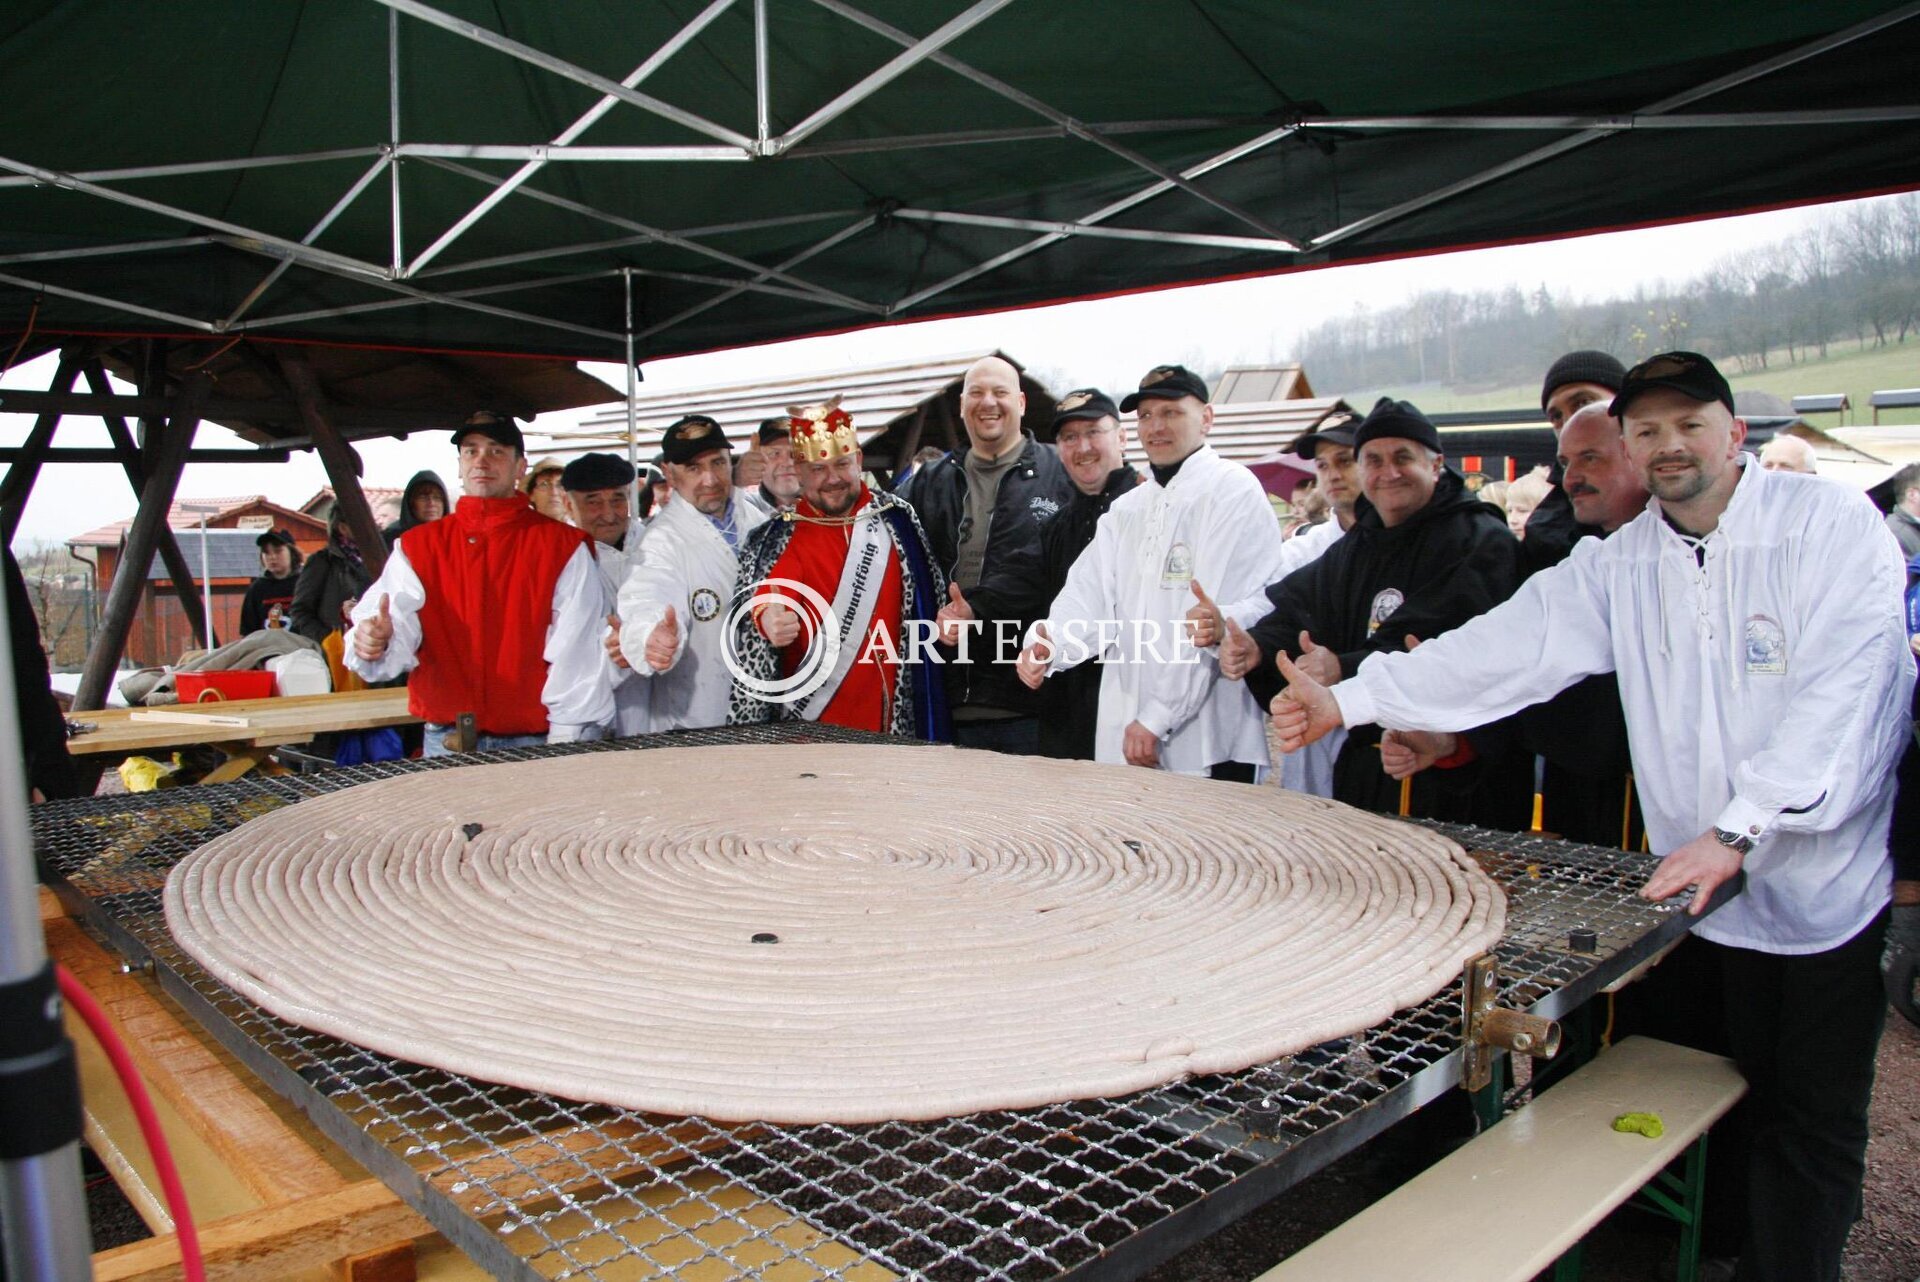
{"x": 1735, "y": 841}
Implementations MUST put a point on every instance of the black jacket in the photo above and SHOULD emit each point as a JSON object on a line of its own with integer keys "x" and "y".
{"x": 1451, "y": 561}
{"x": 1070, "y": 700}
{"x": 43, "y": 727}
{"x": 1012, "y": 586}
{"x": 263, "y": 594}
{"x": 327, "y": 581}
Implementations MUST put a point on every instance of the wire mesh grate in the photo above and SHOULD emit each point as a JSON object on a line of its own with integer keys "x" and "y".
{"x": 534, "y": 1186}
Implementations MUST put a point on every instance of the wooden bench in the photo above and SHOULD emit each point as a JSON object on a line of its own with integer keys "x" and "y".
{"x": 1894, "y": 398}
{"x": 1519, "y": 1197}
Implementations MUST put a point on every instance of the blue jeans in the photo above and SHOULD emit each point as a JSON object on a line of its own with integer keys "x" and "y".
{"x": 436, "y": 744}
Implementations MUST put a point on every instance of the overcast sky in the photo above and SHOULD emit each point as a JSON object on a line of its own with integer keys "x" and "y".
{"x": 1109, "y": 343}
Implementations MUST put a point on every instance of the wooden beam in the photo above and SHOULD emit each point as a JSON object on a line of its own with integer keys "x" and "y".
{"x": 366, "y": 420}
{"x": 341, "y": 460}
{"x": 27, "y": 459}
{"x": 262, "y": 1151}
{"x": 100, "y": 454}
{"x": 171, "y": 556}
{"x": 276, "y": 1240}
{"x": 156, "y": 496}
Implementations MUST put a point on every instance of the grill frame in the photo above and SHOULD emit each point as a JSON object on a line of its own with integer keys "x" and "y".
{"x": 1092, "y": 1189}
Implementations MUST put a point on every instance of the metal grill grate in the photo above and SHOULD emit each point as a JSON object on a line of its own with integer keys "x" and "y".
{"x": 536, "y": 1187}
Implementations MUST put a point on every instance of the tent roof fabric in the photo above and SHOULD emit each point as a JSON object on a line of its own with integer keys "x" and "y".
{"x": 915, "y": 159}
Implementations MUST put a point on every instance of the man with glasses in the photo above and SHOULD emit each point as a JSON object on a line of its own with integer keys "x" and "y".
{"x": 1093, "y": 445}
{"x": 1754, "y": 620}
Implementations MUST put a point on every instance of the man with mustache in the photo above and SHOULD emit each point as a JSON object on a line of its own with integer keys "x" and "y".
{"x": 1755, "y": 622}
{"x": 673, "y": 605}
{"x": 1586, "y": 793}
{"x": 492, "y": 610}
{"x": 1093, "y": 444}
{"x": 1575, "y": 380}
{"x": 865, "y": 555}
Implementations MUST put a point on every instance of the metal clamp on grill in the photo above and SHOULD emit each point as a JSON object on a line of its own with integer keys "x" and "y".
{"x": 1490, "y": 1027}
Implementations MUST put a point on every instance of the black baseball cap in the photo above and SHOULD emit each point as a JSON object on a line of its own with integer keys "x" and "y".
{"x": 775, "y": 429}
{"x": 274, "y": 536}
{"x": 1688, "y": 373}
{"x": 1335, "y": 427}
{"x": 1166, "y": 383}
{"x": 1400, "y": 419}
{"x": 495, "y": 427}
{"x": 592, "y": 472}
{"x": 691, "y": 437}
{"x": 1084, "y": 403}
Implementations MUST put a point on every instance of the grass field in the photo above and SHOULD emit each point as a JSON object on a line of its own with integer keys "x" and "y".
{"x": 1849, "y": 368}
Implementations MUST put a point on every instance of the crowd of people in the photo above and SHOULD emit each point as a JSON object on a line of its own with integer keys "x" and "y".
{"x": 1677, "y": 645}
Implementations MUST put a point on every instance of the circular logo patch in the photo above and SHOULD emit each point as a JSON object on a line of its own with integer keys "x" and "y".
{"x": 706, "y": 604}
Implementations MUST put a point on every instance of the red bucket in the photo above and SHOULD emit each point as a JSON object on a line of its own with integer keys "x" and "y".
{"x": 208, "y": 687}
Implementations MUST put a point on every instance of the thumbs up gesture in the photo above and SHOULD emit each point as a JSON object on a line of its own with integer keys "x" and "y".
{"x": 663, "y": 641}
{"x": 1031, "y": 667}
{"x": 1318, "y": 662}
{"x": 955, "y": 612}
{"x": 779, "y": 624}
{"x": 1205, "y": 621}
{"x": 612, "y": 643}
{"x": 1239, "y": 652}
{"x": 372, "y": 635}
{"x": 1304, "y": 711}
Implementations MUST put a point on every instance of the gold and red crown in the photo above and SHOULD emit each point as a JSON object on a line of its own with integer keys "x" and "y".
{"x": 821, "y": 432}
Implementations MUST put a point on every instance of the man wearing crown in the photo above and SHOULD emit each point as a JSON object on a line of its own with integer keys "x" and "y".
{"x": 864, "y": 661}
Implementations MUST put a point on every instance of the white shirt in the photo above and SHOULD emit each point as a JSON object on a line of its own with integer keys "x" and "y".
{"x": 1309, "y": 770}
{"x": 577, "y": 693}
{"x": 684, "y": 562}
{"x": 632, "y": 698}
{"x": 1211, "y": 523}
{"x": 1766, "y": 693}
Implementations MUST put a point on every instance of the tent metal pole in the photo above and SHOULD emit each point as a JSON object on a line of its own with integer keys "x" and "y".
{"x": 130, "y": 577}
{"x": 280, "y": 268}
{"x": 918, "y": 52}
{"x": 1100, "y": 215}
{"x": 819, "y": 292}
{"x": 1676, "y": 101}
{"x": 1692, "y": 120}
{"x": 132, "y": 309}
{"x": 537, "y": 157}
{"x": 393, "y": 135}
{"x": 189, "y": 168}
{"x": 1078, "y": 128}
{"x": 103, "y": 251}
{"x": 762, "y": 81}
{"x": 1079, "y": 229}
{"x": 561, "y": 67}
{"x": 1035, "y": 133}
{"x": 43, "y": 1209}
{"x": 818, "y": 247}
{"x": 633, "y": 406}
{"x": 624, "y": 242}
{"x": 453, "y": 298}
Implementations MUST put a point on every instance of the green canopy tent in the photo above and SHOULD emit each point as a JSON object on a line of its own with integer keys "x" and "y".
{"x": 485, "y": 176}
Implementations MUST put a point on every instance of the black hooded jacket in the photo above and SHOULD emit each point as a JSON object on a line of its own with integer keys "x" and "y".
{"x": 1010, "y": 594}
{"x": 1070, "y": 700}
{"x": 1552, "y": 529}
{"x": 1447, "y": 563}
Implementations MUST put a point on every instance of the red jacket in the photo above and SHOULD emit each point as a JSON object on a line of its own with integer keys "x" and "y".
{"x": 489, "y": 568}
